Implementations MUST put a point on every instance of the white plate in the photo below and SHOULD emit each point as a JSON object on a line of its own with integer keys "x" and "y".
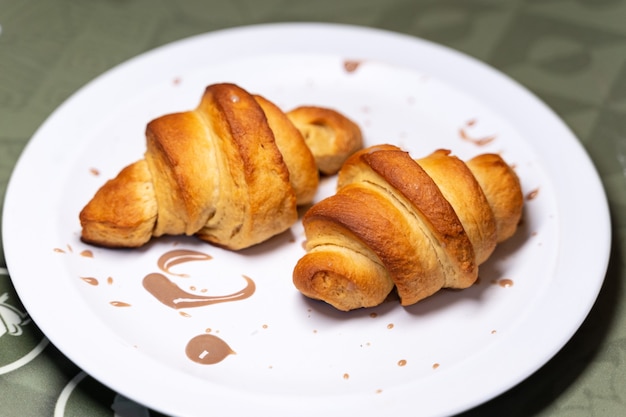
{"x": 295, "y": 357}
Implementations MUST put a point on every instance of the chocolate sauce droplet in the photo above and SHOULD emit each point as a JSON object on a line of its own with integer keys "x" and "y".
{"x": 505, "y": 283}
{"x": 207, "y": 349}
{"x": 90, "y": 280}
{"x": 119, "y": 304}
{"x": 532, "y": 195}
{"x": 351, "y": 65}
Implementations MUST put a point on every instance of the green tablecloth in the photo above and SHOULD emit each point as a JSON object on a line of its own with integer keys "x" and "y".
{"x": 571, "y": 53}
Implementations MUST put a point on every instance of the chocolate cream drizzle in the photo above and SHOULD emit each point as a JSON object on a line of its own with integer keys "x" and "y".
{"x": 170, "y": 294}
{"x": 179, "y": 256}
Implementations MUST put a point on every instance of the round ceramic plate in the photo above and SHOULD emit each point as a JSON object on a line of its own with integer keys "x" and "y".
{"x": 264, "y": 347}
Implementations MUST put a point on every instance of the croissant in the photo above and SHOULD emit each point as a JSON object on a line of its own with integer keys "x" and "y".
{"x": 414, "y": 225}
{"x": 328, "y": 134}
{"x": 232, "y": 172}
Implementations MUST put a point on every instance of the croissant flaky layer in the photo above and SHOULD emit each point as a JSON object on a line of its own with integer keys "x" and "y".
{"x": 232, "y": 172}
{"x": 414, "y": 225}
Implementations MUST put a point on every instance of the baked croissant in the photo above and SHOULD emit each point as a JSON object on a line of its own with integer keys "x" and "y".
{"x": 232, "y": 172}
{"x": 413, "y": 225}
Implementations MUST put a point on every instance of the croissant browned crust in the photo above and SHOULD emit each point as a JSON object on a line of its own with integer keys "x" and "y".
{"x": 328, "y": 134}
{"x": 413, "y": 225}
{"x": 232, "y": 172}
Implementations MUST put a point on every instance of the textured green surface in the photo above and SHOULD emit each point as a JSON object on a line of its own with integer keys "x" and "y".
{"x": 571, "y": 53}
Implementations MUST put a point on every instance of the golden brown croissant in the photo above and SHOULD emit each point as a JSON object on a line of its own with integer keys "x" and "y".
{"x": 416, "y": 225}
{"x": 328, "y": 134}
{"x": 231, "y": 171}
